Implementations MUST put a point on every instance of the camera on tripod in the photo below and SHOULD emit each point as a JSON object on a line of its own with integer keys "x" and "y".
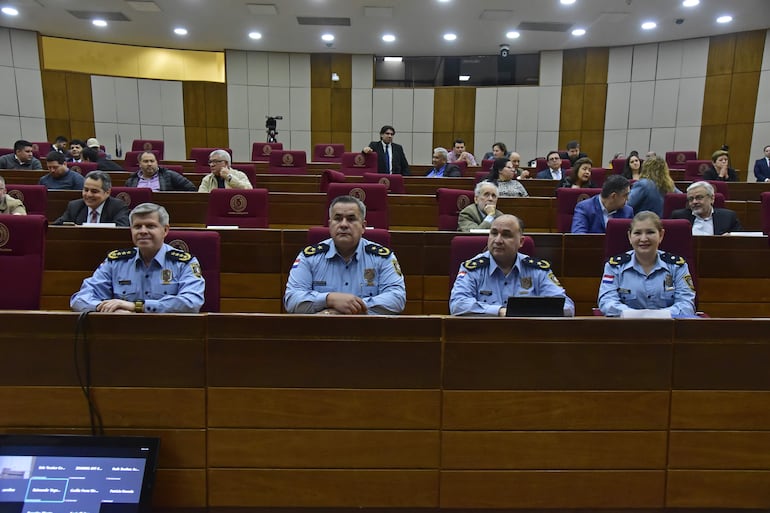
{"x": 272, "y": 128}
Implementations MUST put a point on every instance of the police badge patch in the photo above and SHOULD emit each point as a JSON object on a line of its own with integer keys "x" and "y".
{"x": 196, "y": 269}
{"x": 369, "y": 277}
{"x": 165, "y": 276}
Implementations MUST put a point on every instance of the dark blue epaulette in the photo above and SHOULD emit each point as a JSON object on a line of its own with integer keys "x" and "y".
{"x": 122, "y": 254}
{"x": 545, "y": 265}
{"x": 620, "y": 259}
{"x": 476, "y": 263}
{"x": 671, "y": 258}
{"x": 376, "y": 249}
{"x": 316, "y": 249}
{"x": 179, "y": 256}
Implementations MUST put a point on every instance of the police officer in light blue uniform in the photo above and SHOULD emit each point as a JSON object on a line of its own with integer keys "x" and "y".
{"x": 646, "y": 278}
{"x": 346, "y": 274}
{"x": 485, "y": 282}
{"x": 151, "y": 277}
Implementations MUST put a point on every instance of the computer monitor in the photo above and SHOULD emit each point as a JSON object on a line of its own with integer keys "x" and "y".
{"x": 67, "y": 473}
{"x": 535, "y": 306}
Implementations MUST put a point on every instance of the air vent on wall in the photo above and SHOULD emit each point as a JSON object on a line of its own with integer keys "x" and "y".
{"x": 537, "y": 26}
{"x": 107, "y": 16}
{"x": 339, "y": 22}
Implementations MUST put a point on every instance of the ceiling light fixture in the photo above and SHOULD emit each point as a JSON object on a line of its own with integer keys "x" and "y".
{"x": 450, "y": 37}
{"x": 388, "y": 38}
{"x": 99, "y": 23}
{"x": 10, "y": 11}
{"x": 579, "y": 32}
{"x": 393, "y": 59}
{"x": 725, "y": 19}
{"x": 690, "y": 3}
{"x": 180, "y": 31}
{"x": 464, "y": 78}
{"x": 255, "y": 35}
{"x": 649, "y": 25}
{"x": 328, "y": 38}
{"x": 567, "y": 2}
{"x": 512, "y": 34}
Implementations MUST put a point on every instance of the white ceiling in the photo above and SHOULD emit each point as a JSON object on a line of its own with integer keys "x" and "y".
{"x": 480, "y": 25}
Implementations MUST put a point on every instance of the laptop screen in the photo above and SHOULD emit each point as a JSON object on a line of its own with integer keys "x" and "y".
{"x": 84, "y": 474}
{"x": 533, "y": 306}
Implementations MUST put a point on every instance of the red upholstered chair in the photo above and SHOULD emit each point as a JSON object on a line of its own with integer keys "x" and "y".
{"x": 765, "y": 209}
{"x": 394, "y": 183}
{"x": 288, "y": 162}
{"x": 250, "y": 170}
{"x": 5, "y": 151}
{"x": 41, "y": 149}
{"x": 465, "y": 247}
{"x": 82, "y": 167}
{"x": 450, "y": 203}
{"x": 22, "y": 258}
{"x": 245, "y": 208}
{"x": 203, "y": 245}
{"x": 677, "y": 159}
{"x": 373, "y": 195}
{"x": 152, "y": 145}
{"x": 540, "y": 164}
{"x": 720, "y": 187}
{"x": 132, "y": 196}
{"x": 34, "y": 197}
{"x": 598, "y": 175}
{"x": 693, "y": 169}
{"x": 260, "y": 151}
{"x": 201, "y": 158}
{"x": 674, "y": 201}
{"x": 328, "y": 152}
{"x": 486, "y": 165}
{"x": 480, "y": 176}
{"x": 330, "y": 176}
{"x": 566, "y": 199}
{"x": 463, "y": 167}
{"x": 357, "y": 163}
{"x": 381, "y": 236}
{"x": 131, "y": 160}
{"x": 618, "y": 165}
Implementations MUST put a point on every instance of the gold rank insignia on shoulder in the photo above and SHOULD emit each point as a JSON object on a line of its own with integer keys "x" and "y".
{"x": 179, "y": 256}
{"x": 476, "y": 263}
{"x": 376, "y": 249}
{"x": 670, "y": 258}
{"x": 316, "y": 249}
{"x": 688, "y": 281}
{"x": 397, "y": 267}
{"x": 554, "y": 279}
{"x": 121, "y": 254}
{"x": 620, "y": 259}
{"x": 540, "y": 264}
{"x": 196, "y": 269}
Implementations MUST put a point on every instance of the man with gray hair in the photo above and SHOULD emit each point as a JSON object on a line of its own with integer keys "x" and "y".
{"x": 223, "y": 176}
{"x": 150, "y": 277}
{"x": 700, "y": 211}
{"x": 346, "y": 274}
{"x": 440, "y": 166}
{"x": 9, "y": 205}
{"x": 96, "y": 206}
{"x": 480, "y": 215}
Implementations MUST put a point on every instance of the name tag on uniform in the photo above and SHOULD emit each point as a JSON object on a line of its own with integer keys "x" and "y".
{"x": 124, "y": 282}
{"x": 485, "y": 292}
{"x": 322, "y": 283}
{"x": 624, "y": 291}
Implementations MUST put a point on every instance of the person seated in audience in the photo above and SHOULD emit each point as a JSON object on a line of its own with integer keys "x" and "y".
{"x": 96, "y": 206}
{"x": 157, "y": 178}
{"x": 762, "y": 166}
{"x": 93, "y": 143}
{"x": 346, "y": 274}
{"x": 482, "y": 212}
{"x": 222, "y": 176}
{"x": 574, "y": 153}
{"x": 591, "y": 214}
{"x": 485, "y": 282}
{"x": 60, "y": 145}
{"x": 580, "y": 176}
{"x": 633, "y": 167}
{"x": 503, "y": 175}
{"x": 645, "y": 277}
{"x": 720, "y": 169}
{"x": 521, "y": 173}
{"x": 459, "y": 154}
{"x": 21, "y": 158}
{"x": 654, "y": 183}
{"x": 700, "y": 211}
{"x": 391, "y": 159}
{"x": 440, "y": 166}
{"x": 59, "y": 176}
{"x": 499, "y": 151}
{"x": 9, "y": 205}
{"x": 554, "y": 170}
{"x": 650, "y": 155}
{"x": 76, "y": 150}
{"x": 151, "y": 277}
{"x": 618, "y": 155}
{"x": 102, "y": 163}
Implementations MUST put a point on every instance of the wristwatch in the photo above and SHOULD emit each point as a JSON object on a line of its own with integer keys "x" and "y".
{"x": 139, "y": 306}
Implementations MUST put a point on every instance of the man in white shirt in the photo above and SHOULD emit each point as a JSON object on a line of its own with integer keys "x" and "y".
{"x": 554, "y": 171}
{"x": 705, "y": 219}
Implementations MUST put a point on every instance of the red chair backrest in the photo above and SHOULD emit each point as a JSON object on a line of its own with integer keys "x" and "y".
{"x": 22, "y": 259}
{"x": 82, "y": 167}
{"x": 260, "y": 151}
{"x": 328, "y": 152}
{"x": 566, "y": 199}
{"x": 693, "y": 169}
{"x": 675, "y": 200}
{"x": 131, "y": 159}
{"x": 465, "y": 247}
{"x": 677, "y": 159}
{"x": 203, "y": 245}
{"x": 357, "y": 163}
{"x": 287, "y": 162}
{"x": 480, "y": 175}
{"x": 317, "y": 234}
{"x": 598, "y": 175}
{"x": 765, "y": 209}
{"x": 41, "y": 149}
{"x": 720, "y": 187}
{"x": 250, "y": 170}
{"x": 486, "y": 165}
{"x": 540, "y": 164}
{"x": 132, "y": 196}
{"x": 201, "y": 158}
{"x": 330, "y": 176}
{"x": 394, "y": 183}
{"x": 245, "y": 208}
{"x": 450, "y": 203}
{"x": 152, "y": 145}
{"x": 463, "y": 165}
{"x": 373, "y": 195}
{"x": 34, "y": 197}
{"x": 618, "y": 165}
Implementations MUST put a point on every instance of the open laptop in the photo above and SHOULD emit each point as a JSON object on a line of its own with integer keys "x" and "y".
{"x": 533, "y": 306}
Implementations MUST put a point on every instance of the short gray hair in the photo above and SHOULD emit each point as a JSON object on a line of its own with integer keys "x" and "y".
{"x": 442, "y": 151}
{"x": 221, "y": 155}
{"x": 709, "y": 188}
{"x": 103, "y": 176}
{"x": 481, "y": 184}
{"x": 145, "y": 209}
{"x": 348, "y": 199}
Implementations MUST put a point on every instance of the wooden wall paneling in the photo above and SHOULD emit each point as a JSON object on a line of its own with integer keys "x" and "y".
{"x": 596, "y": 64}
{"x": 743, "y": 98}
{"x": 465, "y": 117}
{"x": 194, "y": 106}
{"x": 180, "y": 488}
{"x": 721, "y": 55}
{"x": 342, "y": 64}
{"x": 320, "y": 70}
{"x": 217, "y": 137}
{"x": 215, "y": 105}
{"x": 716, "y": 101}
{"x": 723, "y": 410}
{"x": 574, "y": 67}
{"x": 79, "y": 98}
{"x": 711, "y": 138}
{"x": 341, "y": 117}
{"x": 719, "y": 450}
{"x": 738, "y": 137}
{"x": 55, "y": 94}
{"x": 571, "y": 110}
{"x": 749, "y": 48}
{"x": 718, "y": 489}
{"x": 594, "y": 103}
{"x": 444, "y": 125}
{"x": 321, "y": 110}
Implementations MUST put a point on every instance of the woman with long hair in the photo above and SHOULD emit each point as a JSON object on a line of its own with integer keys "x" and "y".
{"x": 633, "y": 166}
{"x": 654, "y": 183}
{"x": 580, "y": 176}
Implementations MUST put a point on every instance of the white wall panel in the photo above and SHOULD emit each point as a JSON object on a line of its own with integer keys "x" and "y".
{"x": 549, "y": 108}
{"x": 509, "y": 138}
{"x": 507, "y": 109}
{"x": 486, "y": 108}
{"x": 127, "y": 94}
{"x": 9, "y": 103}
{"x": 362, "y": 67}
{"x": 639, "y": 140}
{"x": 359, "y": 140}
{"x": 299, "y": 69}
{"x": 175, "y": 145}
{"x": 299, "y": 109}
{"x": 150, "y": 102}
{"x": 24, "y": 49}
{"x": 617, "y": 106}
{"x": 484, "y": 141}
{"x": 645, "y": 62}
{"x": 762, "y": 113}
{"x": 614, "y": 142}
{"x": 526, "y": 117}
{"x": 640, "y": 110}
{"x": 669, "y": 60}
{"x": 760, "y": 138}
{"x": 173, "y": 104}
{"x": 687, "y": 138}
{"x": 382, "y": 109}
{"x": 423, "y": 111}
{"x": 103, "y": 99}
{"x": 32, "y": 129}
{"x": 551, "y": 64}
{"x": 403, "y": 109}
{"x": 662, "y": 140}
{"x": 239, "y": 143}
{"x": 695, "y": 56}
{"x": 29, "y": 87}
{"x": 278, "y": 105}
{"x": 258, "y": 106}
{"x": 526, "y": 146}
{"x": 690, "y": 106}
{"x": 6, "y": 57}
{"x": 235, "y": 67}
{"x": 423, "y": 141}
{"x": 152, "y": 132}
{"x": 665, "y": 103}
{"x": 546, "y": 141}
{"x": 619, "y": 64}
{"x": 256, "y": 68}
{"x": 278, "y": 69}
{"x": 10, "y": 130}
{"x": 361, "y": 110}
{"x": 237, "y": 103}
{"x": 300, "y": 140}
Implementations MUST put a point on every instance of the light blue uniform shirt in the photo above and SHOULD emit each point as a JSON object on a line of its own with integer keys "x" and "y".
{"x": 626, "y": 286}
{"x": 481, "y": 288}
{"x": 373, "y": 274}
{"x": 172, "y": 283}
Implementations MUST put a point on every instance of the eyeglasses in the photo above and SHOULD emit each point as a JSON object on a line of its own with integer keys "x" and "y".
{"x": 216, "y": 161}
{"x": 699, "y": 197}
{"x": 554, "y": 158}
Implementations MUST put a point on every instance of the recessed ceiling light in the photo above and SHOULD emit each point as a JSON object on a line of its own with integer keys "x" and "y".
{"x": 388, "y": 38}
{"x": 567, "y": 2}
{"x": 255, "y": 35}
{"x": 393, "y": 59}
{"x": 649, "y": 25}
{"x": 10, "y": 11}
{"x": 512, "y": 34}
{"x": 725, "y": 19}
{"x": 690, "y": 3}
{"x": 328, "y": 38}
{"x": 450, "y": 37}
{"x": 464, "y": 78}
{"x": 99, "y": 23}
{"x": 180, "y": 31}
{"x": 579, "y": 32}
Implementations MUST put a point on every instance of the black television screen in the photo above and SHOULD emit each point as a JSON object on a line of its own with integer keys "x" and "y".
{"x": 76, "y": 474}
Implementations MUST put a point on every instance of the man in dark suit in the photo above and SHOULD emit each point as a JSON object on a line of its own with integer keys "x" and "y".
{"x": 591, "y": 214}
{"x": 441, "y": 168}
{"x": 554, "y": 170}
{"x": 390, "y": 156}
{"x": 762, "y": 166}
{"x": 96, "y": 206}
{"x": 705, "y": 219}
